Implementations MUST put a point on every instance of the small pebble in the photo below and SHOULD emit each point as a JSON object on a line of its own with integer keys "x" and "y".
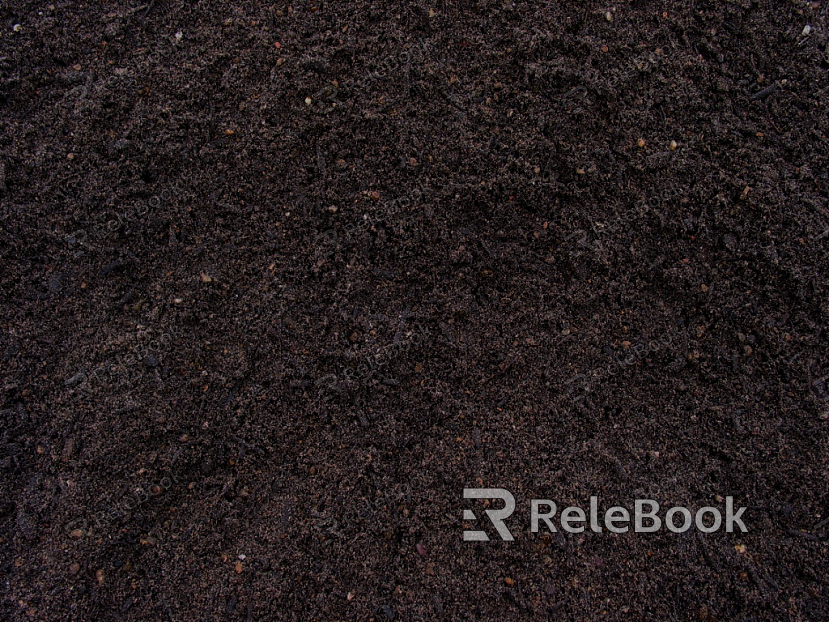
{"x": 641, "y": 142}
{"x": 673, "y": 145}
{"x": 421, "y": 550}
{"x": 308, "y": 101}
{"x": 17, "y": 27}
{"x": 806, "y": 30}
{"x": 608, "y": 16}
{"x": 179, "y": 35}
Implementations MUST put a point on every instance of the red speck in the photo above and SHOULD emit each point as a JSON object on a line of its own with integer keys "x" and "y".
{"x": 277, "y": 45}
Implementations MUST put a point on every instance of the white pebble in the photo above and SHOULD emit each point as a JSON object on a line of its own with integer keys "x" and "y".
{"x": 179, "y": 35}
{"x": 17, "y": 27}
{"x": 308, "y": 101}
{"x": 806, "y": 30}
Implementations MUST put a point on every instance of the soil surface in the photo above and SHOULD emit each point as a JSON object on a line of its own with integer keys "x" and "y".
{"x": 279, "y": 282}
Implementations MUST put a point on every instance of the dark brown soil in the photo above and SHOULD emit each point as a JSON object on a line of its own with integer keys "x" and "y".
{"x": 196, "y": 265}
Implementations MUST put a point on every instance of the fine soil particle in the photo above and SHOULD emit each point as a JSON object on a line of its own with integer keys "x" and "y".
{"x": 279, "y": 282}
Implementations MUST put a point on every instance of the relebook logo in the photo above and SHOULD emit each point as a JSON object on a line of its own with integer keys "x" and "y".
{"x": 707, "y": 519}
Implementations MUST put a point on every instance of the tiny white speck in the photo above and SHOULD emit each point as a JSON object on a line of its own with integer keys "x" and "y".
{"x": 806, "y": 30}
{"x": 179, "y": 35}
{"x": 308, "y": 101}
{"x": 242, "y": 557}
{"x": 17, "y": 27}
